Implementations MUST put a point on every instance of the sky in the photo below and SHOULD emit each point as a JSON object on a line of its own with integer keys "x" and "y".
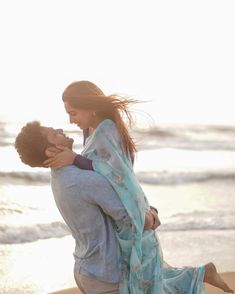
{"x": 176, "y": 55}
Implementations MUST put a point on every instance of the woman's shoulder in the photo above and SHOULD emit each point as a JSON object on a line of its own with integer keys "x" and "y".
{"x": 107, "y": 124}
{"x": 108, "y": 128}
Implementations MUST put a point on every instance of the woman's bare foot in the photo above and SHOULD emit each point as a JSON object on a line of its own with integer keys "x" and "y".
{"x": 212, "y": 277}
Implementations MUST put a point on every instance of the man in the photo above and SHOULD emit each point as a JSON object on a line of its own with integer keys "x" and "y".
{"x": 89, "y": 206}
{"x": 91, "y": 209}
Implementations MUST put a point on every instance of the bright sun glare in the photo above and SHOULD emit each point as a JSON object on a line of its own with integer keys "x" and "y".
{"x": 179, "y": 55}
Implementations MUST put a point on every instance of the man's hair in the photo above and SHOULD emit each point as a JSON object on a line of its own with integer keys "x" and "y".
{"x": 31, "y": 144}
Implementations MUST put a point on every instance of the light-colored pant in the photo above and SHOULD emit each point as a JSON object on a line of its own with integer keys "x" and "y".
{"x": 89, "y": 285}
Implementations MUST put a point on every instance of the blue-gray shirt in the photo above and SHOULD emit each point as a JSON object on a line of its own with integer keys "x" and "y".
{"x": 91, "y": 209}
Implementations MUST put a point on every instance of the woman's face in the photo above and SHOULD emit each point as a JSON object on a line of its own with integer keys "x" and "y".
{"x": 83, "y": 118}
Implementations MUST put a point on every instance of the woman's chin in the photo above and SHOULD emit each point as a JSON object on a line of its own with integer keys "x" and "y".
{"x": 80, "y": 127}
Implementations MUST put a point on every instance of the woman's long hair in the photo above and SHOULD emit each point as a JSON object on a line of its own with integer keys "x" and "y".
{"x": 86, "y": 95}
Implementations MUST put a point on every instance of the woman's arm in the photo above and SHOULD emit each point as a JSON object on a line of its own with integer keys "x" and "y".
{"x": 66, "y": 157}
{"x": 83, "y": 162}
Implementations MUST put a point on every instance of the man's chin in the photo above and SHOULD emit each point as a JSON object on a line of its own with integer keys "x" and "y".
{"x": 71, "y": 142}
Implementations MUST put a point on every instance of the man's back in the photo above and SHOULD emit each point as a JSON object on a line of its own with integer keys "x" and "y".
{"x": 86, "y": 200}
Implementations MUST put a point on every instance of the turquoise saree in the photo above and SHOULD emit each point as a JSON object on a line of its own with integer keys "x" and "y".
{"x": 141, "y": 266}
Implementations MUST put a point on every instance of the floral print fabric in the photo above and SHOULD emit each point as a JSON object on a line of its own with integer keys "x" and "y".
{"x": 141, "y": 266}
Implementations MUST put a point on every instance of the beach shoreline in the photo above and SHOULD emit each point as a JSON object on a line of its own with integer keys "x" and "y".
{"x": 46, "y": 270}
{"x": 229, "y": 278}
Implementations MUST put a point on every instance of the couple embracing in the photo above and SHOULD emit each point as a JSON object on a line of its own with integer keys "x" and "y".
{"x": 97, "y": 193}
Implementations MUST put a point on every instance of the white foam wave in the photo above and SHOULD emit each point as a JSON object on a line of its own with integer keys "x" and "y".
{"x": 28, "y": 177}
{"x": 199, "y": 220}
{"x": 174, "y": 178}
{"x": 196, "y": 220}
{"x": 22, "y": 234}
{"x": 148, "y": 177}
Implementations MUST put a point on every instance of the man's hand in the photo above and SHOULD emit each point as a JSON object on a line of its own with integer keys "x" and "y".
{"x": 151, "y": 220}
{"x": 157, "y": 221}
{"x": 64, "y": 157}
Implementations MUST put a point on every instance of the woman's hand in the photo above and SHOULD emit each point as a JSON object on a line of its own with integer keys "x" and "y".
{"x": 63, "y": 158}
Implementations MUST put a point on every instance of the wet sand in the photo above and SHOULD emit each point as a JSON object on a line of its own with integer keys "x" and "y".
{"x": 229, "y": 277}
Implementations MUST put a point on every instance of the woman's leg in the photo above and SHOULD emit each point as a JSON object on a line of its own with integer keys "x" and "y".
{"x": 213, "y": 278}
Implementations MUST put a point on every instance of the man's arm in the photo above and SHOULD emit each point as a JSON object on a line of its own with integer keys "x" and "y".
{"x": 105, "y": 196}
{"x": 102, "y": 194}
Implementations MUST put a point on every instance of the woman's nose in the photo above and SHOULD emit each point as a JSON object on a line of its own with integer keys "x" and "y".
{"x": 71, "y": 120}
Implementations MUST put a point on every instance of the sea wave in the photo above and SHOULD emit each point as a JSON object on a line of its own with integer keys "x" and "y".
{"x": 182, "y": 130}
{"x": 21, "y": 234}
{"x": 24, "y": 177}
{"x": 148, "y": 177}
{"x": 187, "y": 137}
{"x": 199, "y": 220}
{"x": 196, "y": 220}
{"x": 193, "y": 137}
{"x": 186, "y": 144}
{"x": 174, "y": 178}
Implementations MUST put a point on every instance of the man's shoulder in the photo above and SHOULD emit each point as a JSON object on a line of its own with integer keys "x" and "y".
{"x": 86, "y": 183}
{"x": 69, "y": 180}
{"x": 71, "y": 174}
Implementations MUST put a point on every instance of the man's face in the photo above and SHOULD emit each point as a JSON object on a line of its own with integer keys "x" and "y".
{"x": 83, "y": 118}
{"x": 57, "y": 137}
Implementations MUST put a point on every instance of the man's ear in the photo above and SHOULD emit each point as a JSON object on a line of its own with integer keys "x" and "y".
{"x": 52, "y": 151}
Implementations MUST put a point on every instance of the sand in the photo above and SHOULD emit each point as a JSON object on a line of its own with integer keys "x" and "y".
{"x": 228, "y": 277}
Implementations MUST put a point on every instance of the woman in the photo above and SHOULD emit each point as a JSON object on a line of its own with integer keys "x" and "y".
{"x": 110, "y": 150}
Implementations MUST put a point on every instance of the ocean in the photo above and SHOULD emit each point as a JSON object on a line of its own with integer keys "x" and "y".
{"x": 186, "y": 171}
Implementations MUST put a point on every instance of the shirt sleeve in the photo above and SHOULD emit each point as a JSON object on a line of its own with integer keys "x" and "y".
{"x": 107, "y": 199}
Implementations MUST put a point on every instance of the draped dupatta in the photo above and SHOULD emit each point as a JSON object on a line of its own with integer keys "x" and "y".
{"x": 141, "y": 266}
{"x": 137, "y": 248}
